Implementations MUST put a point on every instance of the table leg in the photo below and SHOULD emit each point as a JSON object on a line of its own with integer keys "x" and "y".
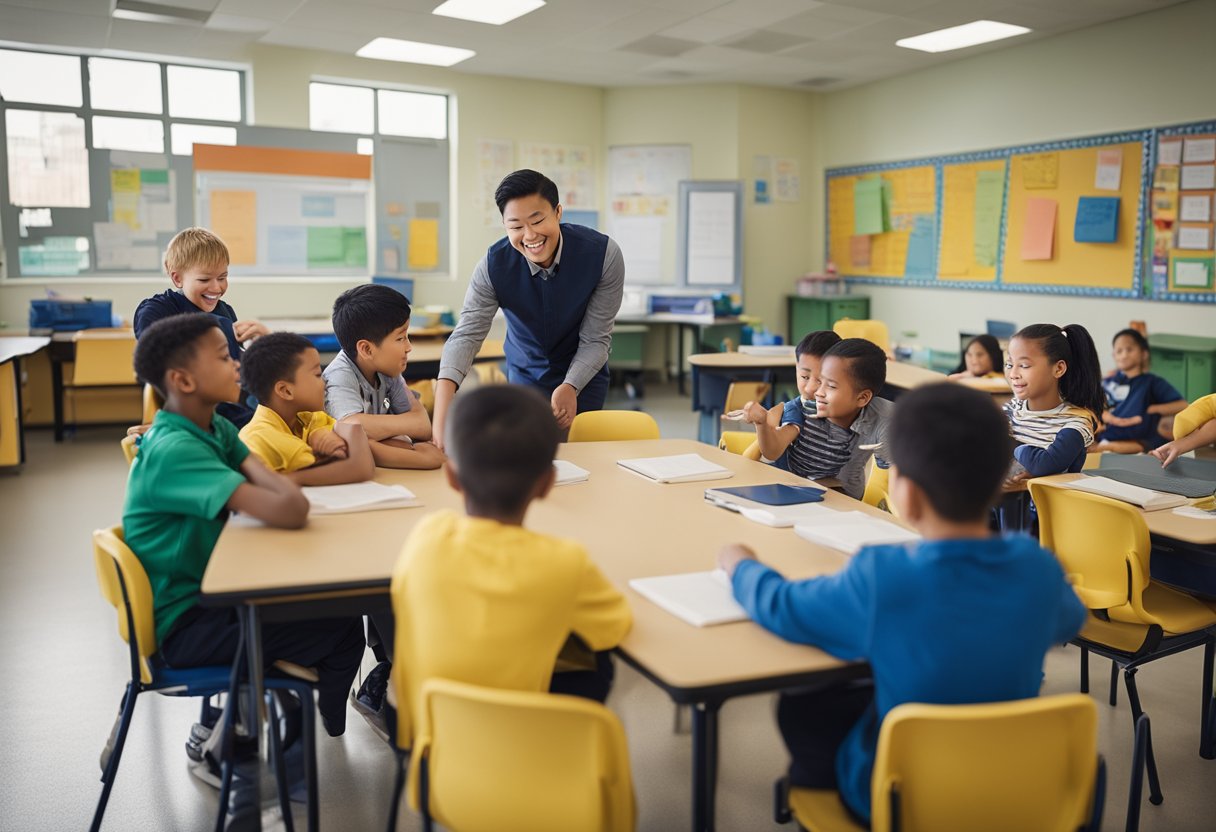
{"x": 680, "y": 357}
{"x": 57, "y": 396}
{"x": 253, "y": 651}
{"x": 704, "y": 764}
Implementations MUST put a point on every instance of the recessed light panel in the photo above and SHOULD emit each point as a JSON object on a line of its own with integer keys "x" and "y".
{"x": 960, "y": 37}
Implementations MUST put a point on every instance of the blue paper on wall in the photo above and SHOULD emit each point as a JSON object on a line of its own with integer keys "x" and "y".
{"x": 921, "y": 242}
{"x": 1097, "y": 219}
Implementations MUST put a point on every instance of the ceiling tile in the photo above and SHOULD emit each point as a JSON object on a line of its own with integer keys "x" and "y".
{"x": 765, "y": 41}
{"x": 759, "y": 13}
{"x": 842, "y": 13}
{"x": 96, "y": 8}
{"x": 25, "y": 25}
{"x": 264, "y": 9}
{"x": 660, "y": 46}
{"x": 186, "y": 41}
{"x": 236, "y": 23}
{"x": 705, "y": 29}
{"x": 304, "y": 38}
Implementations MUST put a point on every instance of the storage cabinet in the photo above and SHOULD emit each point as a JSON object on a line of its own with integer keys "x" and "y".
{"x": 807, "y": 314}
{"x": 1186, "y": 361}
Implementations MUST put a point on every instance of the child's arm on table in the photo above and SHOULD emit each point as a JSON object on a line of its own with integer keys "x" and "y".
{"x": 393, "y": 453}
{"x": 413, "y": 423}
{"x": 269, "y": 497}
{"x": 354, "y": 465}
{"x": 1170, "y": 451}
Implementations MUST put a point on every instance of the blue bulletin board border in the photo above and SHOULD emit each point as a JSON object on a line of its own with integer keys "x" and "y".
{"x": 1145, "y": 285}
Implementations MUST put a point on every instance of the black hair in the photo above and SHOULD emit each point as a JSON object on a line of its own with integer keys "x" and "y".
{"x": 928, "y": 428}
{"x": 502, "y": 439}
{"x": 524, "y": 183}
{"x": 866, "y": 360}
{"x": 1136, "y": 336}
{"x": 169, "y": 344}
{"x": 271, "y": 359}
{"x": 991, "y": 346}
{"x": 1081, "y": 383}
{"x": 368, "y": 312}
{"x": 816, "y": 344}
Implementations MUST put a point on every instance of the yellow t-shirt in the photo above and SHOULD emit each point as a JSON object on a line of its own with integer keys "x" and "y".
{"x": 1199, "y": 413}
{"x": 279, "y": 446}
{"x": 490, "y": 604}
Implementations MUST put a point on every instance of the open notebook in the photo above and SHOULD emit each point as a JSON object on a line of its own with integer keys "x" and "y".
{"x": 358, "y": 496}
{"x": 568, "y": 472}
{"x": 849, "y": 531}
{"x": 1147, "y": 499}
{"x": 676, "y": 468}
{"x": 700, "y": 598}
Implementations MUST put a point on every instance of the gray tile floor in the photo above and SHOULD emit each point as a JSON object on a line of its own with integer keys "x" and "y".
{"x": 65, "y": 669}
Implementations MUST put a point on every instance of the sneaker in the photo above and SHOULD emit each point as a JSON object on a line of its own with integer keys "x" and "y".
{"x": 369, "y": 700}
{"x": 199, "y": 734}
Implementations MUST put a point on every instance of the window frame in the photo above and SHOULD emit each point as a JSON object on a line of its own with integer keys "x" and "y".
{"x": 376, "y": 87}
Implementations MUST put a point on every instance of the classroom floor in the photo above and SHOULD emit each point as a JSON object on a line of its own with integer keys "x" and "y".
{"x": 59, "y": 709}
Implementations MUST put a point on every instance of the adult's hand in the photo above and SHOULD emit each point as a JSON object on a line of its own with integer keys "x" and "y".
{"x": 445, "y": 390}
{"x": 565, "y": 405}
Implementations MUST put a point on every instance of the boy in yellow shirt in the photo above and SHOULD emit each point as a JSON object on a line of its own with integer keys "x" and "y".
{"x": 290, "y": 430}
{"x": 479, "y": 598}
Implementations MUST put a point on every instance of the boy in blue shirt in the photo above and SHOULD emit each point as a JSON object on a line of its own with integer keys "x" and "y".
{"x": 961, "y": 617}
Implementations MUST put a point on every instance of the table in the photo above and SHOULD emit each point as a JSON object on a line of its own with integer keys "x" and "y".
{"x": 12, "y": 437}
{"x": 343, "y": 564}
{"x": 113, "y": 350}
{"x": 692, "y": 323}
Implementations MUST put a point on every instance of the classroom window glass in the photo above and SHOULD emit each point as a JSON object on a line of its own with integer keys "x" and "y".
{"x": 340, "y": 108}
{"x": 48, "y": 165}
{"x": 211, "y": 94}
{"x": 141, "y": 134}
{"x": 133, "y": 86}
{"x": 365, "y": 146}
{"x": 183, "y": 137}
{"x": 39, "y": 78}
{"x": 421, "y": 115}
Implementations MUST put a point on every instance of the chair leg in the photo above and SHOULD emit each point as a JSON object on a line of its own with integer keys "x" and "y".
{"x": 398, "y": 787}
{"x": 1207, "y": 725}
{"x": 1084, "y": 670}
{"x": 781, "y": 800}
{"x": 1139, "y": 760}
{"x": 277, "y": 763}
{"x": 1114, "y": 683}
{"x": 1133, "y": 697}
{"x": 310, "y": 762}
{"x": 107, "y": 776}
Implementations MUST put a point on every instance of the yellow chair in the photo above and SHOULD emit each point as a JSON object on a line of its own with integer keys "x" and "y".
{"x": 611, "y": 425}
{"x": 487, "y": 760}
{"x": 152, "y": 403}
{"x": 742, "y": 442}
{"x": 1030, "y": 764}
{"x": 124, "y": 585}
{"x": 1104, "y": 547}
{"x": 873, "y": 331}
{"x": 130, "y": 447}
{"x": 740, "y": 393}
{"x": 877, "y": 491}
{"x": 425, "y": 388}
{"x": 489, "y": 373}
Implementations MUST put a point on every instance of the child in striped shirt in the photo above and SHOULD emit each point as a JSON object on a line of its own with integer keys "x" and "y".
{"x": 1057, "y": 388}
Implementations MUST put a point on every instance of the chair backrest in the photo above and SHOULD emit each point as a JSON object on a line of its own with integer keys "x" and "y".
{"x": 130, "y": 447}
{"x": 104, "y": 356}
{"x": 1004, "y": 766}
{"x": 739, "y": 442}
{"x": 152, "y": 403}
{"x": 498, "y": 759}
{"x": 113, "y": 558}
{"x": 878, "y": 491}
{"x": 610, "y": 425}
{"x": 489, "y": 373}
{"x": 741, "y": 392}
{"x": 425, "y": 388}
{"x": 873, "y": 331}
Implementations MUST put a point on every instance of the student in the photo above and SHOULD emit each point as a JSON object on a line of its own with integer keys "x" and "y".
{"x": 479, "y": 598}
{"x": 560, "y": 287}
{"x": 290, "y": 431}
{"x": 363, "y": 383}
{"x": 1057, "y": 391}
{"x": 192, "y": 470}
{"x": 961, "y": 617}
{"x": 197, "y": 264}
{"x": 836, "y": 433}
{"x": 981, "y": 359}
{"x": 1137, "y": 400}
{"x": 1194, "y": 428}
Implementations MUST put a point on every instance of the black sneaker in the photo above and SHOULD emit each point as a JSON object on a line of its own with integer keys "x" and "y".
{"x": 199, "y": 734}
{"x": 369, "y": 700}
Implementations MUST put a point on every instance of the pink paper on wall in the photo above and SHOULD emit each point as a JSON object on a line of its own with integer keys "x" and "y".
{"x": 1039, "y": 230}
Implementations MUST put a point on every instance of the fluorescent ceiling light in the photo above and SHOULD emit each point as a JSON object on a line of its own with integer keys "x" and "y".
{"x": 157, "y": 13}
{"x": 412, "y": 52}
{"x": 960, "y": 37}
{"x": 496, "y": 12}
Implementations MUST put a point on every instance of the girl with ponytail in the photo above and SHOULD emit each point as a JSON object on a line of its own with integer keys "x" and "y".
{"x": 1058, "y": 397}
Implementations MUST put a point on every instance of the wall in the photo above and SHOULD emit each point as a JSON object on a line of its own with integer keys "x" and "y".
{"x": 1150, "y": 70}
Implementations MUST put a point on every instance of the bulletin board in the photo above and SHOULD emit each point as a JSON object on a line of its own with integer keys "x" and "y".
{"x": 1128, "y": 215}
{"x": 643, "y": 193}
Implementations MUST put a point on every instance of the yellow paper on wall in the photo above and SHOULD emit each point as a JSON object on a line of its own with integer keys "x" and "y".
{"x": 1040, "y": 171}
{"x": 124, "y": 181}
{"x": 423, "y": 246}
{"x": 234, "y": 218}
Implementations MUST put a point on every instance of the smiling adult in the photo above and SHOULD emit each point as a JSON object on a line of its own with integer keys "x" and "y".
{"x": 559, "y": 286}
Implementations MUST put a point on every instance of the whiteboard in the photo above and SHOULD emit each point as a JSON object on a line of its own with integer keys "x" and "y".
{"x": 643, "y": 192}
{"x": 711, "y": 234}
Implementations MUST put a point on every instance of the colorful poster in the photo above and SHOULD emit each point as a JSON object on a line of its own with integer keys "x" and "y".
{"x": 1039, "y": 232}
{"x": 868, "y": 206}
{"x": 1110, "y": 169}
{"x": 234, "y": 218}
{"x": 1097, "y": 219}
{"x": 1040, "y": 171}
{"x": 989, "y": 199}
{"x": 921, "y": 243}
{"x": 422, "y": 247}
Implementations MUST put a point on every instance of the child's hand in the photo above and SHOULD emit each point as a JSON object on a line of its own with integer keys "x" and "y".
{"x": 327, "y": 443}
{"x": 729, "y": 557}
{"x": 430, "y": 452}
{"x": 1167, "y": 453}
{"x": 754, "y": 413}
{"x": 138, "y": 430}
{"x": 248, "y": 330}
{"x": 1120, "y": 421}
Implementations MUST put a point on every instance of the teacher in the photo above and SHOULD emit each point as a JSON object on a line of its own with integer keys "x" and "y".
{"x": 559, "y": 286}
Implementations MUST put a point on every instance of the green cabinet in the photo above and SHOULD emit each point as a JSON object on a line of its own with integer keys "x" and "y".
{"x": 808, "y": 314}
{"x": 1186, "y": 361}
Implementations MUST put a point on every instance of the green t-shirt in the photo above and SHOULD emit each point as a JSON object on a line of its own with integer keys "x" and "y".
{"x": 174, "y": 512}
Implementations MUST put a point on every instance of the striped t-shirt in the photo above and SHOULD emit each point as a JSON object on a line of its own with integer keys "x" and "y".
{"x": 824, "y": 449}
{"x": 1038, "y": 428}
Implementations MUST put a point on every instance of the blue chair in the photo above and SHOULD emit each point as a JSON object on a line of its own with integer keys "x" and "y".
{"x": 124, "y": 584}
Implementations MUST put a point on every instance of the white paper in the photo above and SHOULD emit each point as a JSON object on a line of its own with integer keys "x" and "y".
{"x": 849, "y": 531}
{"x": 787, "y": 184}
{"x": 1195, "y": 208}
{"x": 700, "y": 598}
{"x": 1196, "y": 513}
{"x": 641, "y": 242}
{"x": 1109, "y": 171}
{"x": 1191, "y": 274}
{"x": 569, "y": 473}
{"x": 112, "y": 243}
{"x": 676, "y": 468}
{"x": 1198, "y": 177}
{"x": 1194, "y": 238}
{"x": 1199, "y": 150}
{"x": 145, "y": 258}
{"x": 160, "y": 216}
{"x": 711, "y": 238}
{"x": 358, "y": 496}
{"x": 1169, "y": 153}
{"x": 1146, "y": 498}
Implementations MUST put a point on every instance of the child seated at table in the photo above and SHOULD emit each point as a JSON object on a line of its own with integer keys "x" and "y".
{"x": 837, "y": 423}
{"x": 981, "y": 359}
{"x": 191, "y": 472}
{"x": 481, "y": 599}
{"x": 1194, "y": 428}
{"x": 960, "y": 617}
{"x": 1140, "y": 404}
{"x": 290, "y": 431}
{"x": 196, "y": 261}
{"x": 363, "y": 384}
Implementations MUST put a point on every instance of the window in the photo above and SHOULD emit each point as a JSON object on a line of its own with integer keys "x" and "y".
{"x": 37, "y": 78}
{"x": 185, "y": 136}
{"x": 142, "y": 134}
{"x": 347, "y": 108}
{"x": 133, "y": 86}
{"x": 210, "y": 94}
{"x": 48, "y": 165}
